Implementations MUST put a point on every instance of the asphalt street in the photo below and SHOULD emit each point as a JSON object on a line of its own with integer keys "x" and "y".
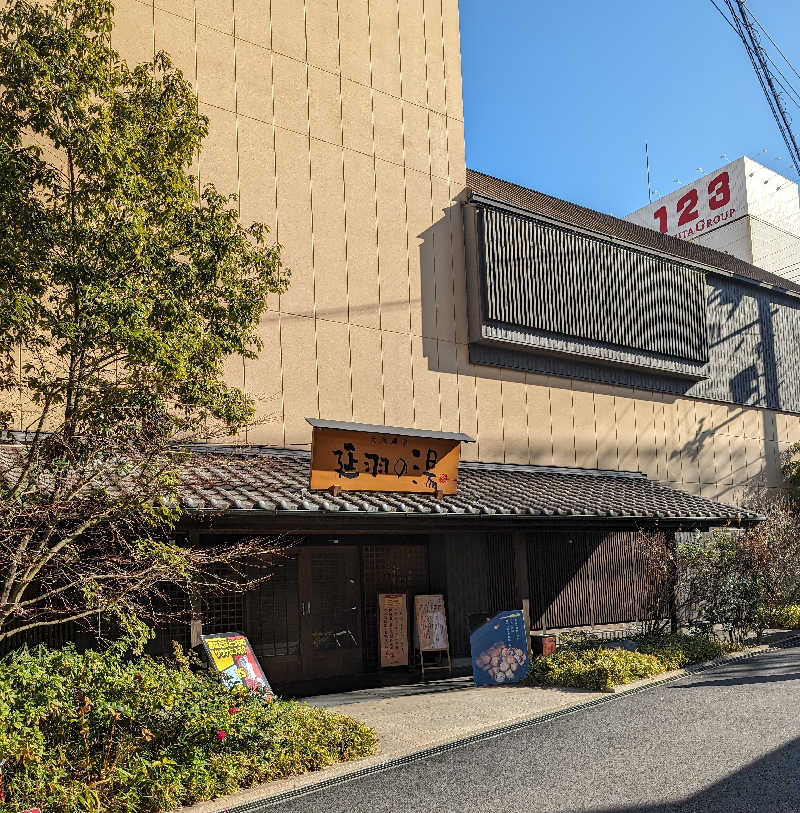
{"x": 727, "y": 739}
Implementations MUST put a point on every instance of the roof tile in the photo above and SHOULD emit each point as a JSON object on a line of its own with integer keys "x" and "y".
{"x": 275, "y": 479}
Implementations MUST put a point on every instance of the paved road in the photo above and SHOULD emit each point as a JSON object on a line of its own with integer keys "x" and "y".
{"x": 724, "y": 740}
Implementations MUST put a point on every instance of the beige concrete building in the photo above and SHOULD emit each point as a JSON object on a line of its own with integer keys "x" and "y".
{"x": 613, "y": 378}
{"x": 340, "y": 124}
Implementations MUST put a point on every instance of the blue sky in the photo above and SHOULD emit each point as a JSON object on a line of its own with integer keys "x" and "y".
{"x": 562, "y": 96}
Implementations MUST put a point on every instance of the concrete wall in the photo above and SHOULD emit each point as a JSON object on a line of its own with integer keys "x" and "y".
{"x": 341, "y": 125}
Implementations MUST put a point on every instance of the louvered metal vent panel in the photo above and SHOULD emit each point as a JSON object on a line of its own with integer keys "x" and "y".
{"x": 568, "y": 284}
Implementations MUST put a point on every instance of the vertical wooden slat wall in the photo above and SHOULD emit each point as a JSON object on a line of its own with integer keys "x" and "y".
{"x": 585, "y": 578}
{"x": 467, "y": 585}
{"x": 389, "y": 569}
{"x": 500, "y": 572}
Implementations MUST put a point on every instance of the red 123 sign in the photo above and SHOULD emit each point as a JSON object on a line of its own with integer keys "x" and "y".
{"x": 719, "y": 195}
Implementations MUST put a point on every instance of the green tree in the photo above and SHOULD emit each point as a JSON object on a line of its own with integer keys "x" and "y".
{"x": 123, "y": 289}
{"x": 791, "y": 473}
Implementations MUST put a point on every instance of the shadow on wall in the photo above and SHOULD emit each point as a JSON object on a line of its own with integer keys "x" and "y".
{"x": 741, "y": 334}
{"x": 443, "y": 287}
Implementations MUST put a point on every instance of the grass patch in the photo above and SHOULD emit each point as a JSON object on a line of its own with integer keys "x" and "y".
{"x": 584, "y": 664}
{"x": 103, "y": 732}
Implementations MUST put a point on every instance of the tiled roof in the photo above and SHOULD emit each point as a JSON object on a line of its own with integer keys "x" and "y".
{"x": 547, "y": 206}
{"x": 237, "y": 479}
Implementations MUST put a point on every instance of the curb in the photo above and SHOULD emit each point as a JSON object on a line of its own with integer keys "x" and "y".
{"x": 266, "y": 802}
{"x": 674, "y": 674}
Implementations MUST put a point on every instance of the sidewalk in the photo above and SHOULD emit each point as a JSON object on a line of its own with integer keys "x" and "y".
{"x": 415, "y": 717}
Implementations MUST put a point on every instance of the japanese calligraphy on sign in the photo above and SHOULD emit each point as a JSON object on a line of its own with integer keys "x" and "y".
{"x": 431, "y": 623}
{"x": 500, "y": 650}
{"x": 393, "y": 629}
{"x": 367, "y": 461}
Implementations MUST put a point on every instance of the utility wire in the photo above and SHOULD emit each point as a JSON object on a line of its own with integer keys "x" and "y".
{"x": 757, "y": 56}
{"x": 724, "y": 17}
{"x": 775, "y": 44}
{"x": 787, "y": 87}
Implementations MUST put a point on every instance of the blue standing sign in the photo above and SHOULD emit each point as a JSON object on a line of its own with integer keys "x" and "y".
{"x": 500, "y": 650}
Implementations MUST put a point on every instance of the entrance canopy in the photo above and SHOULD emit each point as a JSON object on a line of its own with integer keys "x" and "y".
{"x": 250, "y": 482}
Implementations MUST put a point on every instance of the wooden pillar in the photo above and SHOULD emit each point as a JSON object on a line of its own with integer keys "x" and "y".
{"x": 196, "y": 621}
{"x": 521, "y": 581}
{"x": 672, "y": 584}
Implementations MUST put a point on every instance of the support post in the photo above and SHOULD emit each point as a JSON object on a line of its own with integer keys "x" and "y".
{"x": 521, "y": 582}
{"x": 672, "y": 584}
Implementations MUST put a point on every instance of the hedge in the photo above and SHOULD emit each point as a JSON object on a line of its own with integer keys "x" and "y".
{"x": 594, "y": 667}
{"x": 787, "y": 617}
{"x": 105, "y": 732}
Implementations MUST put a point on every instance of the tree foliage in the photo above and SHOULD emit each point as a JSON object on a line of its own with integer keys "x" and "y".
{"x": 791, "y": 473}
{"x": 123, "y": 289}
{"x": 109, "y": 733}
{"x": 735, "y": 580}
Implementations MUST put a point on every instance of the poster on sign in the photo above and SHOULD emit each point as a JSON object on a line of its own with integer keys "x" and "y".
{"x": 499, "y": 650}
{"x": 431, "y": 623}
{"x": 393, "y": 628}
{"x": 233, "y": 657}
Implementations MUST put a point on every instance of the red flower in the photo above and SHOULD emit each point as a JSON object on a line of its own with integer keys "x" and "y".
{"x": 442, "y": 478}
{"x": 221, "y": 735}
{"x": 233, "y": 710}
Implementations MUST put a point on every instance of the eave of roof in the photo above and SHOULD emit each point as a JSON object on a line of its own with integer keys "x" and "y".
{"x": 548, "y": 207}
{"x": 274, "y": 483}
{"x": 375, "y": 429}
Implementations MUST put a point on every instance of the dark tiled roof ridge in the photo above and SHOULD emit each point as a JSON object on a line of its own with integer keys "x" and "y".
{"x": 251, "y": 450}
{"x": 574, "y": 214}
{"x": 215, "y": 481}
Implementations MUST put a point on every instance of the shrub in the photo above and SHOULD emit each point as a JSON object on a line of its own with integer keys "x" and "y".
{"x": 787, "y": 617}
{"x": 598, "y": 669}
{"x": 677, "y": 651}
{"x": 727, "y": 577}
{"x": 100, "y": 731}
{"x": 578, "y": 666}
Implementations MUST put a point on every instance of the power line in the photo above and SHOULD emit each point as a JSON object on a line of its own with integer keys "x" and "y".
{"x": 758, "y": 58}
{"x": 775, "y": 44}
{"x": 724, "y": 17}
{"x": 793, "y": 94}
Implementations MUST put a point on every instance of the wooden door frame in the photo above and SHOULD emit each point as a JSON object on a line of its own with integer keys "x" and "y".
{"x": 312, "y": 661}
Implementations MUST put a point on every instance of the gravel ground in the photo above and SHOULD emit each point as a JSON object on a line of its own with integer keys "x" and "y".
{"x": 724, "y": 740}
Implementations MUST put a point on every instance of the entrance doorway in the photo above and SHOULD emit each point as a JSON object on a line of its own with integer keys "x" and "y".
{"x": 330, "y": 611}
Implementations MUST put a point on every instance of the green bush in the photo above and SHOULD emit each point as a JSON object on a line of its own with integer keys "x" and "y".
{"x": 598, "y": 669}
{"x": 787, "y": 617}
{"x": 577, "y": 664}
{"x": 105, "y": 732}
{"x": 677, "y": 651}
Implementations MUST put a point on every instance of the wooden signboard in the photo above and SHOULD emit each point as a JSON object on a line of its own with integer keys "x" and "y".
{"x": 430, "y": 630}
{"x": 393, "y": 628}
{"x": 431, "y": 623}
{"x": 379, "y": 461}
